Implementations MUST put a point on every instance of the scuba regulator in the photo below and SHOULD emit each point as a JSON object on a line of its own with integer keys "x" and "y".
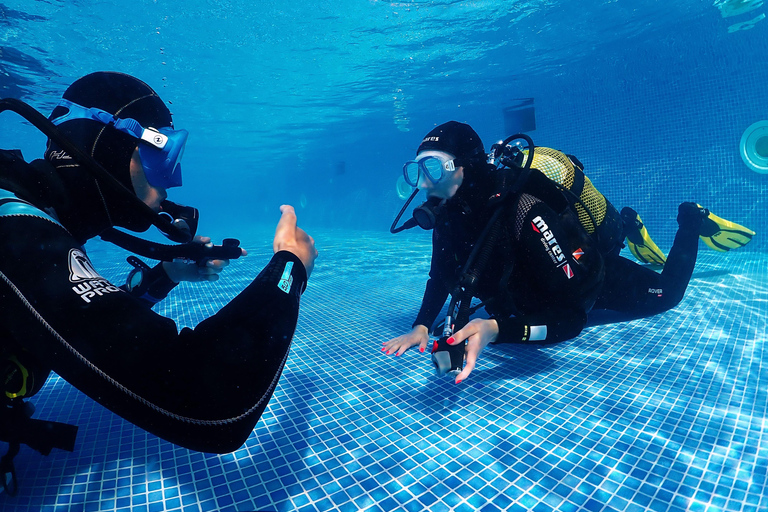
{"x": 503, "y": 154}
{"x": 424, "y": 215}
{"x": 23, "y": 376}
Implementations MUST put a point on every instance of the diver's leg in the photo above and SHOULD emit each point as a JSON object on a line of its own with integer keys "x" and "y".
{"x": 639, "y": 291}
{"x": 682, "y": 256}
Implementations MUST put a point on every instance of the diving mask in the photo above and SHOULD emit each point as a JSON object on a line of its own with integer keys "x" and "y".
{"x": 160, "y": 149}
{"x": 432, "y": 164}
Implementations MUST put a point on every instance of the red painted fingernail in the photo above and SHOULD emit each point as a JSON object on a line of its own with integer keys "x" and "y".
{"x": 458, "y": 382}
{"x": 450, "y": 340}
{"x": 422, "y": 349}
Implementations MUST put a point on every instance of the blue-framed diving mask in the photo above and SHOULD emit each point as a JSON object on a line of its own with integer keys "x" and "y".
{"x": 160, "y": 149}
{"x": 433, "y": 165}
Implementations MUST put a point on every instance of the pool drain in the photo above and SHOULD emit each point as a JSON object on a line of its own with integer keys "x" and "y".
{"x": 754, "y": 147}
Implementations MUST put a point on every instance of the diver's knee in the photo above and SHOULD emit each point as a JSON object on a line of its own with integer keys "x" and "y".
{"x": 670, "y": 301}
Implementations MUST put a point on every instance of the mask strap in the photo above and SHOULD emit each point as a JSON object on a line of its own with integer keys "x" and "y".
{"x": 126, "y": 125}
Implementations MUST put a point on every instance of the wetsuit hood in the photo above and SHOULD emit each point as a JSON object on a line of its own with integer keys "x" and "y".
{"x": 458, "y": 139}
{"x": 463, "y": 142}
{"x": 99, "y": 206}
{"x": 68, "y": 197}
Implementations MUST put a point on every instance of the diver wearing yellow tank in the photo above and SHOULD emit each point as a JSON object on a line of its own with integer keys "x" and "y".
{"x": 535, "y": 242}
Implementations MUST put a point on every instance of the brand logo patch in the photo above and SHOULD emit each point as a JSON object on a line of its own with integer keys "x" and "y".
{"x": 550, "y": 244}
{"x": 60, "y": 155}
{"x": 89, "y": 283}
{"x": 80, "y": 267}
{"x": 286, "y": 280}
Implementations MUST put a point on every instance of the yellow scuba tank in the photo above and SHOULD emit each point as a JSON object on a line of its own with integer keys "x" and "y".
{"x": 596, "y": 214}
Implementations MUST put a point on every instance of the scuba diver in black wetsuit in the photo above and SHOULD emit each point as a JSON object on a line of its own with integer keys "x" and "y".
{"x": 525, "y": 231}
{"x": 112, "y": 153}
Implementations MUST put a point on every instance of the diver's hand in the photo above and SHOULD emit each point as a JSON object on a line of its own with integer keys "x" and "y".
{"x": 478, "y": 333}
{"x": 419, "y": 335}
{"x": 179, "y": 271}
{"x": 289, "y": 237}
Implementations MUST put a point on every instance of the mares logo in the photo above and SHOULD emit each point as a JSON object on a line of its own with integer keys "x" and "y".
{"x": 550, "y": 244}
{"x": 89, "y": 283}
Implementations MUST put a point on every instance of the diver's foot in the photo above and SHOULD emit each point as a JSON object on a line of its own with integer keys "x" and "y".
{"x": 639, "y": 241}
{"x": 691, "y": 215}
{"x": 720, "y": 234}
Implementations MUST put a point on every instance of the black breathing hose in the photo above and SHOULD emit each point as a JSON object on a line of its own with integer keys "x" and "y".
{"x": 410, "y": 223}
{"x": 484, "y": 246}
{"x": 229, "y": 250}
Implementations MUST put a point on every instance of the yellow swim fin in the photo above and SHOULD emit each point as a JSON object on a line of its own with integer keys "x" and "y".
{"x": 723, "y": 235}
{"x": 639, "y": 241}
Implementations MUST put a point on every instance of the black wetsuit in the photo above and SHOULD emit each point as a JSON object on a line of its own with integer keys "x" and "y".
{"x": 546, "y": 274}
{"x": 203, "y": 388}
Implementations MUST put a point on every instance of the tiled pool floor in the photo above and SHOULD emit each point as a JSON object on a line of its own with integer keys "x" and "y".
{"x": 665, "y": 413}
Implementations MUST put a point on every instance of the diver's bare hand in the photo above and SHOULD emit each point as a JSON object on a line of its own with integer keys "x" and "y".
{"x": 179, "y": 271}
{"x": 289, "y": 237}
{"x": 478, "y": 333}
{"x": 419, "y": 335}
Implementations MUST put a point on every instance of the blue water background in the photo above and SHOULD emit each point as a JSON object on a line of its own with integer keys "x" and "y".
{"x": 317, "y": 104}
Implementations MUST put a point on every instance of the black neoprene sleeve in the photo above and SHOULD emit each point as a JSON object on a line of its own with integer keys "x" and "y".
{"x": 558, "y": 326}
{"x": 436, "y": 291}
{"x": 433, "y": 301}
{"x": 202, "y": 388}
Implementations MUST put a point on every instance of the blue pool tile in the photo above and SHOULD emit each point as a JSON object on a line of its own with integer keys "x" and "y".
{"x": 597, "y": 433}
